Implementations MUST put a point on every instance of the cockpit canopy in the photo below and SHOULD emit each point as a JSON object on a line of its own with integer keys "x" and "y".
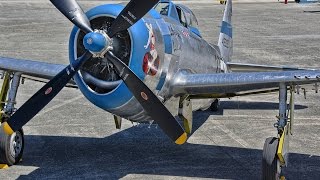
{"x": 162, "y": 8}
{"x": 179, "y": 13}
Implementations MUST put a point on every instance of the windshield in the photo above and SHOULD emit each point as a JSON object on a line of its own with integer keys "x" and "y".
{"x": 163, "y": 8}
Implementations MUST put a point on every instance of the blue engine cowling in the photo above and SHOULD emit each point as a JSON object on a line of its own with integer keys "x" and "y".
{"x": 139, "y": 36}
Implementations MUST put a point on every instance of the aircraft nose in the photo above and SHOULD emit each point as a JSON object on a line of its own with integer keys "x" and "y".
{"x": 95, "y": 42}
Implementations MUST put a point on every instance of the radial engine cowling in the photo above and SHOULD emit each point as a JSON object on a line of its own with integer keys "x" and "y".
{"x": 97, "y": 79}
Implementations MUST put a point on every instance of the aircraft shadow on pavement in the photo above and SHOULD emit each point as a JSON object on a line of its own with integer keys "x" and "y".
{"x": 141, "y": 150}
{"x": 317, "y": 12}
{"x": 242, "y": 105}
{"x": 254, "y": 105}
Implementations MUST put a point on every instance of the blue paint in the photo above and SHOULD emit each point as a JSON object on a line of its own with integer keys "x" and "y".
{"x": 173, "y": 12}
{"x": 94, "y": 42}
{"x": 154, "y": 14}
{"x": 167, "y": 44}
{"x": 226, "y": 28}
{"x": 161, "y": 81}
{"x": 309, "y": 1}
{"x": 195, "y": 31}
{"x": 139, "y": 38}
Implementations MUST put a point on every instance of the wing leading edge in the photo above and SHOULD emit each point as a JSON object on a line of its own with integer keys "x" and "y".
{"x": 231, "y": 84}
{"x": 32, "y": 69}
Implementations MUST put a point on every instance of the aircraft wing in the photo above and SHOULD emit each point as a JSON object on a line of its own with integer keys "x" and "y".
{"x": 239, "y": 83}
{"x": 34, "y": 70}
{"x": 240, "y": 67}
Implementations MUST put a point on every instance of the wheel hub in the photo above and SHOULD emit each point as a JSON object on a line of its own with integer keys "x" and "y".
{"x": 16, "y": 144}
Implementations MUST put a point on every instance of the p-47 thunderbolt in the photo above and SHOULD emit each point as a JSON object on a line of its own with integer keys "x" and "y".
{"x": 147, "y": 62}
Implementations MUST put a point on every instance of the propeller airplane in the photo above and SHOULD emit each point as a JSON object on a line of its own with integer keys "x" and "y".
{"x": 147, "y": 62}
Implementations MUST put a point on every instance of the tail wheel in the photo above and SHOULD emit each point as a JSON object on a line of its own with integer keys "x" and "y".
{"x": 271, "y": 169}
{"x": 215, "y": 105}
{"x": 11, "y": 147}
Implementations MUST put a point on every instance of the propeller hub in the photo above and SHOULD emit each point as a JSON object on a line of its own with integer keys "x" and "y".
{"x": 98, "y": 43}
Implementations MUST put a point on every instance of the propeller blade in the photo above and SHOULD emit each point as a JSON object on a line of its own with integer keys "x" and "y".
{"x": 72, "y": 10}
{"x": 132, "y": 13}
{"x": 149, "y": 101}
{"x": 41, "y": 98}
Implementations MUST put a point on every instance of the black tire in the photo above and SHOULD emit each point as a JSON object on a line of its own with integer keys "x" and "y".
{"x": 215, "y": 105}
{"x": 271, "y": 169}
{"x": 9, "y": 153}
{"x": 221, "y": 2}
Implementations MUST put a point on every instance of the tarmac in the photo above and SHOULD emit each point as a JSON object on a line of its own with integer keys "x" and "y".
{"x": 73, "y": 139}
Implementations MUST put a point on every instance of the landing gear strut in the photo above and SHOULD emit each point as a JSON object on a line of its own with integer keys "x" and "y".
{"x": 275, "y": 150}
{"x": 11, "y": 146}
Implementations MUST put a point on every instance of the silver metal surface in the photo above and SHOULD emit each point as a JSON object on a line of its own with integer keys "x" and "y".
{"x": 242, "y": 67}
{"x": 100, "y": 83}
{"x": 292, "y": 109}
{"x": 282, "y": 106}
{"x": 16, "y": 144}
{"x": 32, "y": 68}
{"x": 195, "y": 53}
{"x": 185, "y": 82}
{"x": 14, "y": 85}
{"x": 107, "y": 48}
{"x": 131, "y": 110}
{"x": 225, "y": 145}
{"x": 152, "y": 80}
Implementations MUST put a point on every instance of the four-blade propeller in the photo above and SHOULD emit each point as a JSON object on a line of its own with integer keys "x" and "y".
{"x": 96, "y": 41}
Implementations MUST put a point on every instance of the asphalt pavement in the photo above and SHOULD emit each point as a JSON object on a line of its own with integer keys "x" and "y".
{"x": 73, "y": 139}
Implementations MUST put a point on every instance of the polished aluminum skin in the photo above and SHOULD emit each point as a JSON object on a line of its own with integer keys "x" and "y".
{"x": 192, "y": 67}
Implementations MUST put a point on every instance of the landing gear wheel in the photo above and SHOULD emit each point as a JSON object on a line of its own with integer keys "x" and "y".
{"x": 11, "y": 147}
{"x": 222, "y": 2}
{"x": 271, "y": 169}
{"x": 215, "y": 105}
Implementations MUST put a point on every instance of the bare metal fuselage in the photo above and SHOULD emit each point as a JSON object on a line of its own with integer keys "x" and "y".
{"x": 189, "y": 53}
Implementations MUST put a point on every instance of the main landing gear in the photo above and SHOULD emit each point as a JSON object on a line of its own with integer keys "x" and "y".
{"x": 223, "y": 2}
{"x": 11, "y": 147}
{"x": 276, "y": 149}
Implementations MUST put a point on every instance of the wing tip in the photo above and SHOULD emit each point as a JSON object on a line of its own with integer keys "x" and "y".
{"x": 4, "y": 166}
{"x": 182, "y": 139}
